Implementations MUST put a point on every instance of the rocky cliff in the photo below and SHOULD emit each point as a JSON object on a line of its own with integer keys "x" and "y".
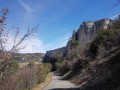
{"x": 60, "y": 52}
{"x": 88, "y": 30}
{"x": 86, "y": 33}
{"x": 50, "y": 56}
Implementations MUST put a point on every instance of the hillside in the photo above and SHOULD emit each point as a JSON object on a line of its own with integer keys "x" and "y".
{"x": 85, "y": 34}
{"x": 91, "y": 56}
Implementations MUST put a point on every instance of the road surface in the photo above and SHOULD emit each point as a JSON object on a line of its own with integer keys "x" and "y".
{"x": 58, "y": 84}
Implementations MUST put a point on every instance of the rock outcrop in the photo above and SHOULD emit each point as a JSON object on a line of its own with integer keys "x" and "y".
{"x": 88, "y": 30}
{"x": 86, "y": 33}
{"x": 57, "y": 52}
{"x": 51, "y": 56}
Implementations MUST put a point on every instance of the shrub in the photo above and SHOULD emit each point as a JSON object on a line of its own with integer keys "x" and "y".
{"x": 62, "y": 67}
{"x": 116, "y": 24}
{"x": 26, "y": 78}
{"x": 7, "y": 69}
{"x": 79, "y": 64}
{"x": 106, "y": 39}
{"x": 74, "y": 44}
{"x": 47, "y": 67}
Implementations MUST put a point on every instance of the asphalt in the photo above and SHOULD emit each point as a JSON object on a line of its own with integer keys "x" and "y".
{"x": 57, "y": 83}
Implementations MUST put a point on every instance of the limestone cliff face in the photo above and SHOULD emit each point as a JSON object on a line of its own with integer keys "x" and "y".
{"x": 56, "y": 53}
{"x": 86, "y": 32}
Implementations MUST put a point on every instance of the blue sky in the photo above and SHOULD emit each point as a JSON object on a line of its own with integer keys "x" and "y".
{"x": 56, "y": 18}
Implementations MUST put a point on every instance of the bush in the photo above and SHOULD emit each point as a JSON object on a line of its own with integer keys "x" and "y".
{"x": 79, "y": 64}
{"x": 26, "y": 78}
{"x": 106, "y": 39}
{"x": 42, "y": 71}
{"x": 47, "y": 67}
{"x": 7, "y": 69}
{"x": 74, "y": 44}
{"x": 62, "y": 67}
{"x": 116, "y": 24}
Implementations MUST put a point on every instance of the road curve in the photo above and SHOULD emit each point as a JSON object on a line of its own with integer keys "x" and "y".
{"x": 58, "y": 84}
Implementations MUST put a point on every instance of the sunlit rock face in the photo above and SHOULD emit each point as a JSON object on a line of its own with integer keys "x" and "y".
{"x": 74, "y": 36}
{"x": 88, "y": 30}
{"x": 86, "y": 33}
{"x": 60, "y": 52}
{"x": 68, "y": 46}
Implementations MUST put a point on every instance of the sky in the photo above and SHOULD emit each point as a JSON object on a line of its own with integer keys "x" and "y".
{"x": 56, "y": 19}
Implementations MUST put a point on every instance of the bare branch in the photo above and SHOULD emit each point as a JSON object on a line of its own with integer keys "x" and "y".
{"x": 30, "y": 32}
{"x": 15, "y": 38}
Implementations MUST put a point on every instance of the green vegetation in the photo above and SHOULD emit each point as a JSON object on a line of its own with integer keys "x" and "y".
{"x": 25, "y": 78}
{"x": 62, "y": 67}
{"x": 74, "y": 44}
{"x": 47, "y": 67}
{"x": 95, "y": 61}
{"x": 107, "y": 39}
{"x": 11, "y": 76}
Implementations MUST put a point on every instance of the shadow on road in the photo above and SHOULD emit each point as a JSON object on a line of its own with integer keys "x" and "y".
{"x": 66, "y": 89}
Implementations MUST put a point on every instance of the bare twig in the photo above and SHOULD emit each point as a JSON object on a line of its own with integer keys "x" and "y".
{"x": 30, "y": 32}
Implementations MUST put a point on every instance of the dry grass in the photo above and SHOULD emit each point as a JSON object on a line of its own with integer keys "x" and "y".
{"x": 22, "y": 65}
{"x": 37, "y": 62}
{"x": 45, "y": 83}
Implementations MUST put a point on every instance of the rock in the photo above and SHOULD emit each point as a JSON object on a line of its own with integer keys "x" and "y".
{"x": 56, "y": 53}
{"x": 88, "y": 30}
{"x": 86, "y": 33}
{"x": 74, "y": 36}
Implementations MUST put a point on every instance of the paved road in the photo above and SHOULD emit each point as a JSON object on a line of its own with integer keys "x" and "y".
{"x": 58, "y": 84}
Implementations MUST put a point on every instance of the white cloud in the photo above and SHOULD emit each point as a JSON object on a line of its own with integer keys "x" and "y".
{"x": 28, "y": 12}
{"x": 26, "y": 6}
{"x": 33, "y": 45}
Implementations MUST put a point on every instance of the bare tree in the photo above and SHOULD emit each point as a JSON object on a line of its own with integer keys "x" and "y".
{"x": 4, "y": 37}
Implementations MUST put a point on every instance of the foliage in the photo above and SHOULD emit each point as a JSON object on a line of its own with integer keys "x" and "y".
{"x": 8, "y": 67}
{"x": 107, "y": 39}
{"x": 59, "y": 63}
{"x": 62, "y": 67}
{"x": 79, "y": 64}
{"x": 74, "y": 43}
{"x": 26, "y": 78}
{"x": 47, "y": 67}
{"x": 116, "y": 24}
